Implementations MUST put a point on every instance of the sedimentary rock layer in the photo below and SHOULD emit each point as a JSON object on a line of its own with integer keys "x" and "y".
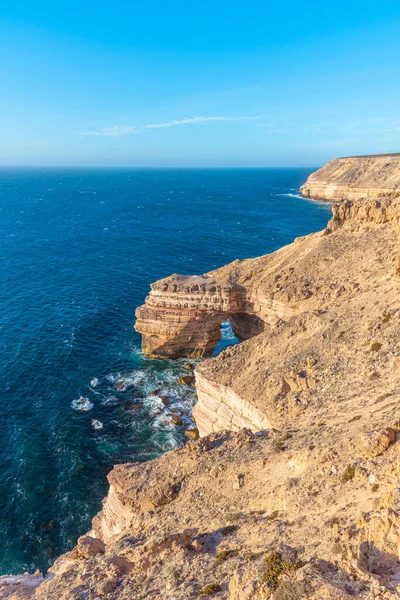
{"x": 355, "y": 177}
{"x": 295, "y": 298}
{"x": 183, "y": 314}
{"x": 302, "y": 503}
{"x": 219, "y": 409}
{"x": 292, "y": 514}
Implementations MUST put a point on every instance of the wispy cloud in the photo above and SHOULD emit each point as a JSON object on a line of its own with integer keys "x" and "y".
{"x": 112, "y": 131}
{"x": 196, "y": 120}
{"x": 121, "y": 130}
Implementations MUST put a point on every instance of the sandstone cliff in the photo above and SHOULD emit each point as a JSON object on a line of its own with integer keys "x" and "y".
{"x": 300, "y": 498}
{"x": 355, "y": 177}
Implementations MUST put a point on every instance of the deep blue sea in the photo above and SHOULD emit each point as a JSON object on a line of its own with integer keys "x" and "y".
{"x": 79, "y": 249}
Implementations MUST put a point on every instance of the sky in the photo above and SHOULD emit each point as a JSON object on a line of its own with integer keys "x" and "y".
{"x": 212, "y": 83}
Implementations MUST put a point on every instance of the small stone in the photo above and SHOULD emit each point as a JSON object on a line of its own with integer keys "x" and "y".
{"x": 214, "y": 471}
{"x": 192, "y": 434}
{"x": 197, "y": 546}
{"x": 120, "y": 386}
{"x": 189, "y": 533}
{"x": 376, "y": 442}
{"x": 165, "y": 400}
{"x": 239, "y": 483}
{"x": 177, "y": 420}
{"x": 88, "y": 546}
{"x": 107, "y": 586}
{"x": 186, "y": 380}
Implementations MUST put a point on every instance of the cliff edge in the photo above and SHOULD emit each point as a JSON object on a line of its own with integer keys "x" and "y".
{"x": 355, "y": 177}
{"x": 292, "y": 491}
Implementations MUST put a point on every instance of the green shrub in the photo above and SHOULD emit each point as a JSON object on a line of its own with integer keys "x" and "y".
{"x": 355, "y": 418}
{"x": 376, "y": 346}
{"x": 211, "y": 588}
{"x": 348, "y": 473}
{"x": 275, "y": 567}
{"x": 224, "y": 554}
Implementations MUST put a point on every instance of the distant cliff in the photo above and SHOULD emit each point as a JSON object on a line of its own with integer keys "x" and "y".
{"x": 355, "y": 177}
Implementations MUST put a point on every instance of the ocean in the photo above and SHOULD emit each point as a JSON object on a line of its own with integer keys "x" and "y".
{"x": 79, "y": 249}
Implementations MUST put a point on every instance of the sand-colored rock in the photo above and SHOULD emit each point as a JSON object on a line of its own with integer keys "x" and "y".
{"x": 300, "y": 498}
{"x": 213, "y": 513}
{"x": 325, "y": 302}
{"x": 355, "y": 177}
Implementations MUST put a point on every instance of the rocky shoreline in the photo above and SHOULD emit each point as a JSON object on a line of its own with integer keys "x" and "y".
{"x": 355, "y": 178}
{"x": 292, "y": 489}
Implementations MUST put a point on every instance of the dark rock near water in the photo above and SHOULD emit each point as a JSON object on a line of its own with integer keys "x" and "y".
{"x": 186, "y": 380}
{"x": 192, "y": 434}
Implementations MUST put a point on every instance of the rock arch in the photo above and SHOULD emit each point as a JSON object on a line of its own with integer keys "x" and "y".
{"x": 182, "y": 316}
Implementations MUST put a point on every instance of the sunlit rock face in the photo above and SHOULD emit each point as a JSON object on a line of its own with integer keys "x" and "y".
{"x": 311, "y": 506}
{"x": 355, "y": 177}
{"x": 183, "y": 314}
{"x": 219, "y": 408}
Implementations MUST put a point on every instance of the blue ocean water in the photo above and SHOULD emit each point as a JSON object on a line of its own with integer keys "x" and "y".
{"x": 79, "y": 249}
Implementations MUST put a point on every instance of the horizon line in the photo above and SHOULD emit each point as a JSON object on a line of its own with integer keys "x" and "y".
{"x": 88, "y": 166}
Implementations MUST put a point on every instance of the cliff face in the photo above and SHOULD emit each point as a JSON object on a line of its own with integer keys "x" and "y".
{"x": 290, "y": 305}
{"x": 341, "y": 288}
{"x": 300, "y": 497}
{"x": 310, "y": 511}
{"x": 355, "y": 177}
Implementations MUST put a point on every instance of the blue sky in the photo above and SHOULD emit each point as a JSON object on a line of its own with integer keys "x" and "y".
{"x": 206, "y": 83}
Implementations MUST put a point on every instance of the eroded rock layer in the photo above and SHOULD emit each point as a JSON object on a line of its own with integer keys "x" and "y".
{"x": 343, "y": 334}
{"x": 355, "y": 177}
{"x": 183, "y": 314}
{"x": 311, "y": 512}
{"x": 301, "y": 498}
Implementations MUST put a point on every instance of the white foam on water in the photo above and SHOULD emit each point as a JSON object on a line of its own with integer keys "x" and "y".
{"x": 135, "y": 378}
{"x": 94, "y": 382}
{"x": 170, "y": 444}
{"x": 290, "y": 195}
{"x": 110, "y": 401}
{"x": 82, "y": 404}
{"x": 97, "y": 424}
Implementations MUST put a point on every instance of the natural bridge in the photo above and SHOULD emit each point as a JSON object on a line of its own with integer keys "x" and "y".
{"x": 183, "y": 314}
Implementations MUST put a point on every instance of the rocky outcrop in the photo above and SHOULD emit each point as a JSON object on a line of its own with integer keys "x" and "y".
{"x": 183, "y": 314}
{"x": 355, "y": 177}
{"x": 300, "y": 497}
{"x": 296, "y": 513}
{"x": 295, "y": 298}
{"x": 219, "y": 408}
